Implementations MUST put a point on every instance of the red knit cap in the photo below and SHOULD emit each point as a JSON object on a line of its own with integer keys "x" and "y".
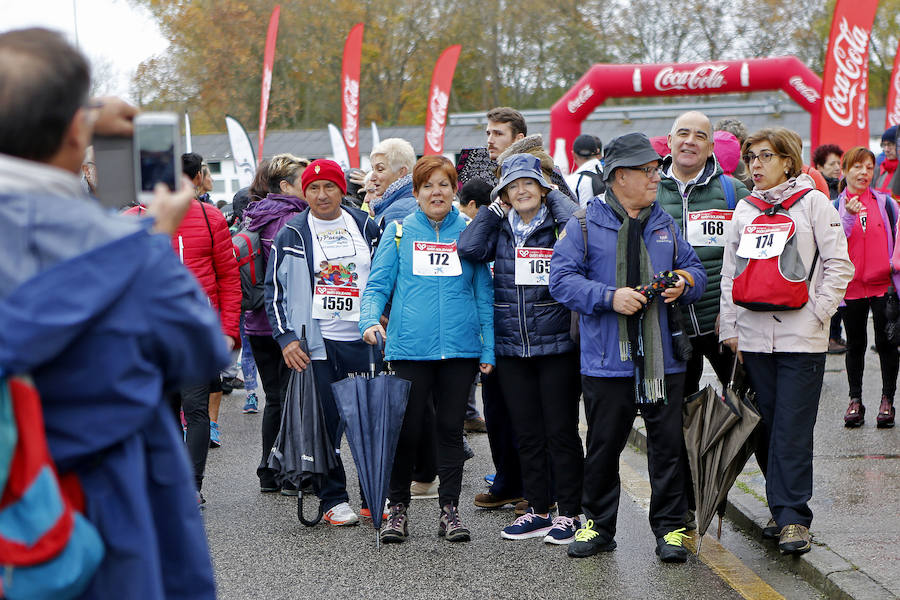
{"x": 324, "y": 169}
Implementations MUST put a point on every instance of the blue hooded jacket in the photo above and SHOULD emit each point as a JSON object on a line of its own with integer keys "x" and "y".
{"x": 432, "y": 318}
{"x": 104, "y": 334}
{"x": 588, "y": 288}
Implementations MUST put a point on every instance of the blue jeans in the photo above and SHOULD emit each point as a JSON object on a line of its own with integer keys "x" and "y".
{"x": 248, "y": 365}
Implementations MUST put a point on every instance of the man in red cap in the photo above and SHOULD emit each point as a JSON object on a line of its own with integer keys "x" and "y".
{"x": 318, "y": 269}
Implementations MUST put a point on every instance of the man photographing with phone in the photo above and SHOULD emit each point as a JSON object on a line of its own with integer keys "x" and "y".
{"x": 100, "y": 312}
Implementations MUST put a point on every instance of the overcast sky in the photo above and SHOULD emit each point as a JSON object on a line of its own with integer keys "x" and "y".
{"x": 114, "y": 34}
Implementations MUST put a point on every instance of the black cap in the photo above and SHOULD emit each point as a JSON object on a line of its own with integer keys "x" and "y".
{"x": 629, "y": 150}
{"x": 587, "y": 145}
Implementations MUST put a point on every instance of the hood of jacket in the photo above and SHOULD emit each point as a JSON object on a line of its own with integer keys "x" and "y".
{"x": 783, "y": 191}
{"x": 531, "y": 144}
{"x": 401, "y": 188}
{"x": 271, "y": 208}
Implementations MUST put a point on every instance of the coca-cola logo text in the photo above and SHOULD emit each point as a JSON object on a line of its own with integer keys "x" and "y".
{"x": 811, "y": 95}
{"x": 438, "y": 106}
{"x": 351, "y": 110}
{"x": 701, "y": 77}
{"x": 583, "y": 94}
{"x": 849, "y": 54}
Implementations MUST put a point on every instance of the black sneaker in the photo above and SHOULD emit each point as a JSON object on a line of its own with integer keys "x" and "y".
{"x": 670, "y": 547}
{"x": 450, "y": 526}
{"x": 771, "y": 531}
{"x": 589, "y": 542}
{"x": 396, "y": 529}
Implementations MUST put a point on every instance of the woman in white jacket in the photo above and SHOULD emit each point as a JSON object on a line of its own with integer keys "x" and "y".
{"x": 784, "y": 273}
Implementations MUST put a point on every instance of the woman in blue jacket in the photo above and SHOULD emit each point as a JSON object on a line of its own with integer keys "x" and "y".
{"x": 440, "y": 332}
{"x": 627, "y": 356}
{"x": 537, "y": 360}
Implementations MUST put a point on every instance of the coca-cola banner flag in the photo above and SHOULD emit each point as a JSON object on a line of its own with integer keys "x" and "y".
{"x": 893, "y": 100}
{"x": 438, "y": 99}
{"x": 268, "y": 62}
{"x": 350, "y": 93}
{"x": 604, "y": 81}
{"x": 241, "y": 151}
{"x": 844, "y": 113}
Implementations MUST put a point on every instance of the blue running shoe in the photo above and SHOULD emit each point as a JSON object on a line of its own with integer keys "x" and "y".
{"x": 489, "y": 478}
{"x": 527, "y": 526}
{"x": 215, "y": 438}
{"x": 563, "y": 530}
{"x": 252, "y": 404}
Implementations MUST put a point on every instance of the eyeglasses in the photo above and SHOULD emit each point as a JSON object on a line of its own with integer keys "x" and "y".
{"x": 648, "y": 171}
{"x": 764, "y": 157}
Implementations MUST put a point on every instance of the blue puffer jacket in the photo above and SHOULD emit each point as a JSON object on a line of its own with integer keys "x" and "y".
{"x": 398, "y": 202}
{"x": 589, "y": 288}
{"x": 527, "y": 320}
{"x": 432, "y": 318}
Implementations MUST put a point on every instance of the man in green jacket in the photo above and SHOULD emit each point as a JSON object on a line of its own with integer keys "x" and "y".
{"x": 701, "y": 199}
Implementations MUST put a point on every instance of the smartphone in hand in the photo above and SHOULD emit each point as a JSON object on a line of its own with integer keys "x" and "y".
{"x": 157, "y": 153}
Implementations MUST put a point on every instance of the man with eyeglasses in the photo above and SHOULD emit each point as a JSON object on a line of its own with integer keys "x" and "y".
{"x": 882, "y": 180}
{"x": 695, "y": 191}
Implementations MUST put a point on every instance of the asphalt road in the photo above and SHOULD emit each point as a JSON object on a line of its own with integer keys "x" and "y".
{"x": 260, "y": 550}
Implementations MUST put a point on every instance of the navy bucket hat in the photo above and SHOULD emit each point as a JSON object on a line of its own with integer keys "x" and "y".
{"x": 629, "y": 150}
{"x": 518, "y": 166}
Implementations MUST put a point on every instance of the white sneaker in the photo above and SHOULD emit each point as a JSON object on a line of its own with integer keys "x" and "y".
{"x": 422, "y": 490}
{"x": 341, "y": 514}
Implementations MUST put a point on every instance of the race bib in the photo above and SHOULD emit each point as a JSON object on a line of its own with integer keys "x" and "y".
{"x": 707, "y": 227}
{"x": 764, "y": 241}
{"x": 533, "y": 266}
{"x": 433, "y": 259}
{"x": 863, "y": 217}
{"x": 335, "y": 302}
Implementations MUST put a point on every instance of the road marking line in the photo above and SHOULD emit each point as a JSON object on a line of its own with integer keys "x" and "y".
{"x": 722, "y": 562}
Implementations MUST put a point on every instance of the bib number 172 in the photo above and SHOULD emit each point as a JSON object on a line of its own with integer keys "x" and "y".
{"x": 439, "y": 258}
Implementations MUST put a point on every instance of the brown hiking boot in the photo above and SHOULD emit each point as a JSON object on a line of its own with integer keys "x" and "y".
{"x": 476, "y": 425}
{"x": 489, "y": 500}
{"x": 836, "y": 346}
{"x": 523, "y": 505}
{"x": 794, "y": 539}
{"x": 856, "y": 413}
{"x": 451, "y": 527}
{"x": 885, "y": 418}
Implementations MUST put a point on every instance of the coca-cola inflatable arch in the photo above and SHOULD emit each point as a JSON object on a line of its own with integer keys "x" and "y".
{"x": 603, "y": 81}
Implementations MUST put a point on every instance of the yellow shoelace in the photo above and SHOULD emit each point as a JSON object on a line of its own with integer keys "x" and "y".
{"x": 586, "y": 533}
{"x": 676, "y": 538}
{"x": 792, "y": 531}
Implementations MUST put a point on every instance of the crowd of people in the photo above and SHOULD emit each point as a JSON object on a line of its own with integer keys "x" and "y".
{"x": 610, "y": 285}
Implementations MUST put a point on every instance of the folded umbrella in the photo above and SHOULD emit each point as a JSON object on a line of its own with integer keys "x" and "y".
{"x": 303, "y": 452}
{"x": 372, "y": 409}
{"x": 717, "y": 435}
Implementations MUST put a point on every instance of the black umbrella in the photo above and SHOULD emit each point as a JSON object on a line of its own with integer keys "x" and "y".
{"x": 372, "y": 408}
{"x": 717, "y": 435}
{"x": 303, "y": 453}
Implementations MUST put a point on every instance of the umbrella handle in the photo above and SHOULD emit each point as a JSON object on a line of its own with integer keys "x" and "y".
{"x": 379, "y": 343}
{"x": 303, "y": 519}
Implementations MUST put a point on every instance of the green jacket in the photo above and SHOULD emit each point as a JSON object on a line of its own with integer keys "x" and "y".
{"x": 706, "y": 194}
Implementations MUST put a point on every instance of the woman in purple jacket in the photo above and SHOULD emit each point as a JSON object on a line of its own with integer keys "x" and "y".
{"x": 268, "y": 216}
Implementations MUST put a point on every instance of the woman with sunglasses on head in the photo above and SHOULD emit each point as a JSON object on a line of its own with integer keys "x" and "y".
{"x": 784, "y": 273}
{"x": 869, "y": 219}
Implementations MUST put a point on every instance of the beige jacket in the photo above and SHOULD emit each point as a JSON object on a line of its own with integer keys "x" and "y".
{"x": 806, "y": 329}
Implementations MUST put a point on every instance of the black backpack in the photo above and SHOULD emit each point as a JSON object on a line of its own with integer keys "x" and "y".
{"x": 598, "y": 186}
{"x": 252, "y": 267}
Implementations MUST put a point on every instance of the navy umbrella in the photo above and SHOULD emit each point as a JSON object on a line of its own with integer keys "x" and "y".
{"x": 303, "y": 452}
{"x": 372, "y": 408}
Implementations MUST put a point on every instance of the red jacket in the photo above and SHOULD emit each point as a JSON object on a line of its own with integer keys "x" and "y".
{"x": 203, "y": 243}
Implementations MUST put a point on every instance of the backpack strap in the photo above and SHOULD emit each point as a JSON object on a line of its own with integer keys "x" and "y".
{"x": 728, "y": 189}
{"x": 889, "y": 209}
{"x": 212, "y": 240}
{"x": 580, "y": 214}
{"x": 398, "y": 233}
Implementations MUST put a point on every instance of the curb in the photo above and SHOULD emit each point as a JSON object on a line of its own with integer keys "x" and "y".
{"x": 821, "y": 567}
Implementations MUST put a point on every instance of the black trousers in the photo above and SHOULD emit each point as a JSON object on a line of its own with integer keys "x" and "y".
{"x": 610, "y": 408}
{"x": 719, "y": 356}
{"x": 448, "y": 382}
{"x": 543, "y": 403}
{"x": 787, "y": 386}
{"x": 425, "y": 465}
{"x": 856, "y": 320}
{"x": 274, "y": 375}
{"x": 194, "y": 401}
{"x": 501, "y": 438}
